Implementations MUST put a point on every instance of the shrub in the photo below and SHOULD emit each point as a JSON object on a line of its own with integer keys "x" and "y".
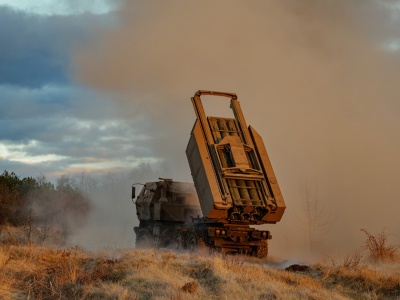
{"x": 378, "y": 247}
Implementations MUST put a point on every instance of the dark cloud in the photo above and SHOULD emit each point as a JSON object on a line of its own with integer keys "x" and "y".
{"x": 20, "y": 103}
{"x": 30, "y": 170}
{"x": 83, "y": 140}
{"x": 34, "y": 49}
{"x": 46, "y": 118}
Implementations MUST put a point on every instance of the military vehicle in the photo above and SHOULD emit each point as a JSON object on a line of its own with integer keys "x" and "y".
{"x": 234, "y": 188}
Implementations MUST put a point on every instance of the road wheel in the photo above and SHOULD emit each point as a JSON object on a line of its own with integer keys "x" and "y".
{"x": 192, "y": 243}
{"x": 201, "y": 243}
{"x": 144, "y": 239}
{"x": 178, "y": 241}
{"x": 262, "y": 250}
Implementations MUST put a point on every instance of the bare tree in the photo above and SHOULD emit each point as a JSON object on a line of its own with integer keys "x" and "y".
{"x": 316, "y": 219}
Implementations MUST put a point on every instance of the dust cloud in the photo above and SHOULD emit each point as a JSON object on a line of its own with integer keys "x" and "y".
{"x": 112, "y": 215}
{"x": 318, "y": 79}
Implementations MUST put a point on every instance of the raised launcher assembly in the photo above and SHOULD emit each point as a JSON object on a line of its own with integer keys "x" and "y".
{"x": 231, "y": 169}
{"x": 235, "y": 187}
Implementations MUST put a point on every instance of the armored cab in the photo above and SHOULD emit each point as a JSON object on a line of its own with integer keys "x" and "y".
{"x": 231, "y": 169}
{"x": 161, "y": 207}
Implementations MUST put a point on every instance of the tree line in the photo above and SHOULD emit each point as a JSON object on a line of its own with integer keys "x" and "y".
{"x": 45, "y": 211}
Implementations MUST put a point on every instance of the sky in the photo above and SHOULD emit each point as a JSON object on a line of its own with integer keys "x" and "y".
{"x": 49, "y": 123}
{"x": 100, "y": 86}
{"x": 62, "y": 7}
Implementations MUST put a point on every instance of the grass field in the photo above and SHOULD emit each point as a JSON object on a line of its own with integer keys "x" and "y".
{"x": 33, "y": 272}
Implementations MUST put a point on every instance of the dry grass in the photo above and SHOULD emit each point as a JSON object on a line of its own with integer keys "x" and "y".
{"x": 31, "y": 272}
{"x": 368, "y": 282}
{"x": 352, "y": 261}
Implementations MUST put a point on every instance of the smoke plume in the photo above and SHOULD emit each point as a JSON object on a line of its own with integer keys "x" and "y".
{"x": 317, "y": 79}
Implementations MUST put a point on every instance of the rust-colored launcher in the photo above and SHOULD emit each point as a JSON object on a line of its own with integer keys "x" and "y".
{"x": 235, "y": 187}
{"x": 231, "y": 169}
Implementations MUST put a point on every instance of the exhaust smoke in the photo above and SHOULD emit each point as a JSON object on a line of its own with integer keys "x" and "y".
{"x": 318, "y": 79}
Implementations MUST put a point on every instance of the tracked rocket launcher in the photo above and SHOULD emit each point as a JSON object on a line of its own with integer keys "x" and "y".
{"x": 234, "y": 187}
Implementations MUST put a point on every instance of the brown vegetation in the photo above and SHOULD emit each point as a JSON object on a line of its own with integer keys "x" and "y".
{"x": 378, "y": 247}
{"x": 32, "y": 272}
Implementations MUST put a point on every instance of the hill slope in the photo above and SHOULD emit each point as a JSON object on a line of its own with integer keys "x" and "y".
{"x": 32, "y": 272}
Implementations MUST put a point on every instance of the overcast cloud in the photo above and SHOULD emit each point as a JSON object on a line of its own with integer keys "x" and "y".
{"x": 48, "y": 124}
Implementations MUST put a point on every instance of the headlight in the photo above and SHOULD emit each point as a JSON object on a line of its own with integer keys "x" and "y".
{"x": 217, "y": 232}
